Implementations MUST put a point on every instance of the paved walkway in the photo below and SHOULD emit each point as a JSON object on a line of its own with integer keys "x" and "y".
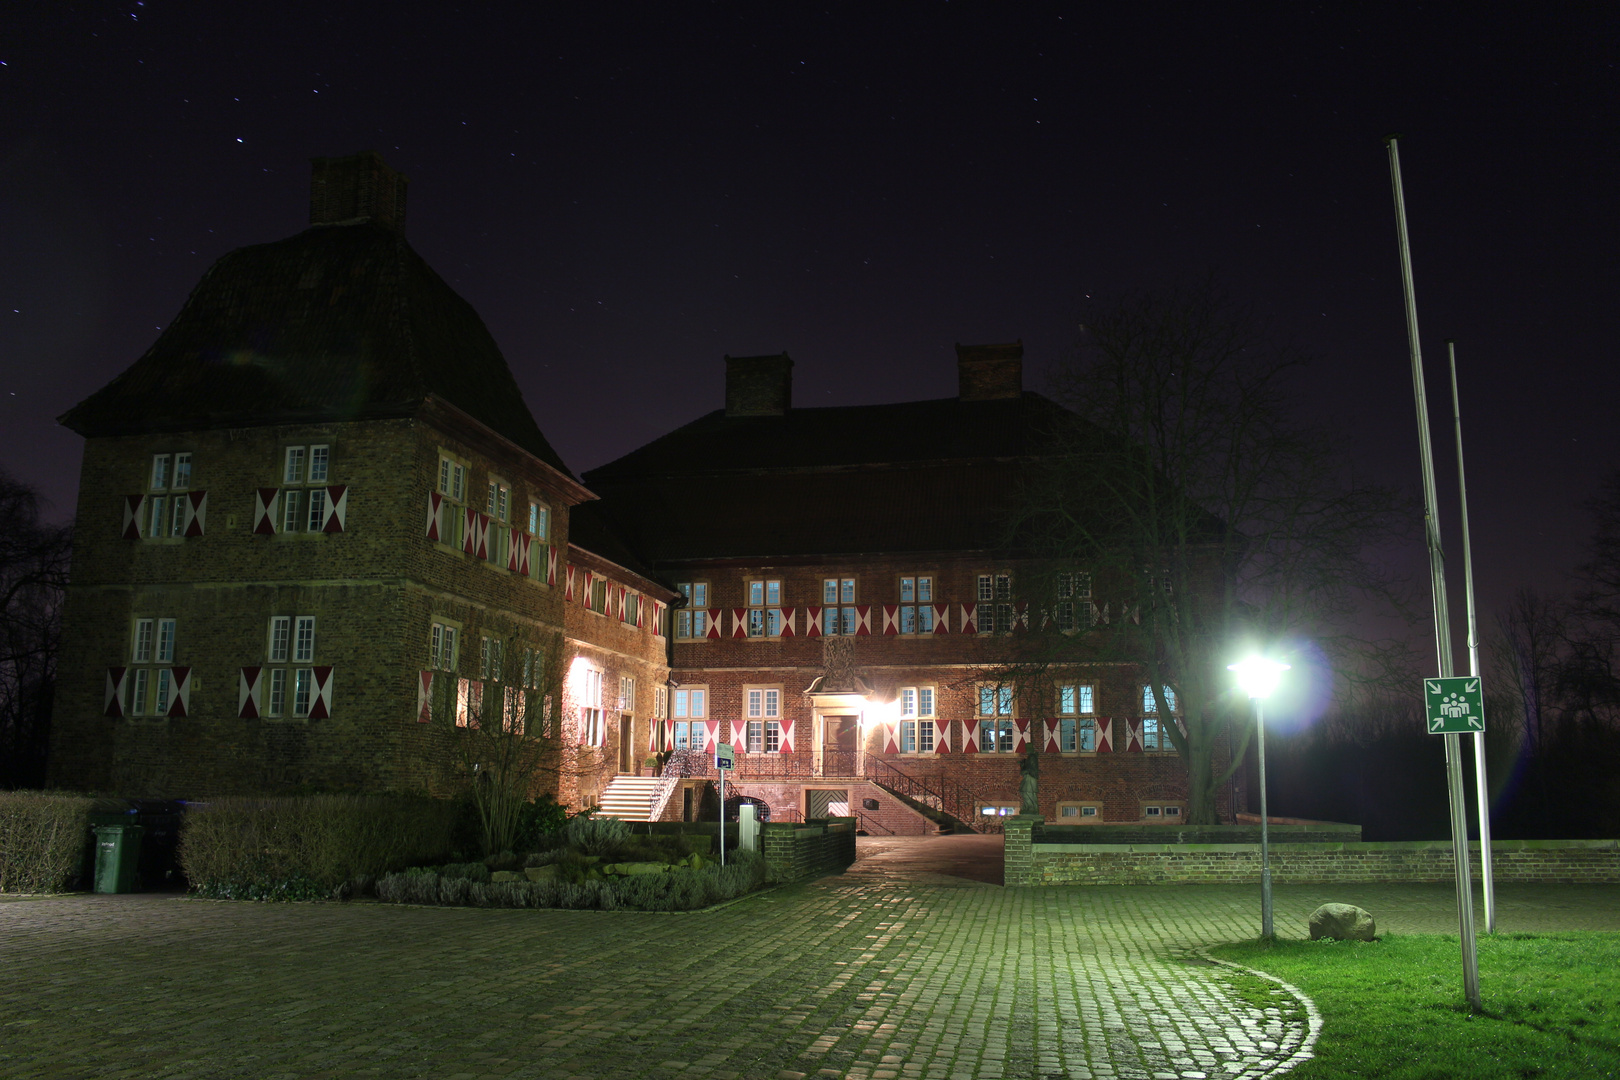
{"x": 876, "y": 973}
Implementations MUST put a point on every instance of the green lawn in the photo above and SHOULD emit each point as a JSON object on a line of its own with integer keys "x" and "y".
{"x": 1395, "y": 1008}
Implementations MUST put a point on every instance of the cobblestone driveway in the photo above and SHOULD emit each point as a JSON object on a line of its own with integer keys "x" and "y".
{"x": 875, "y": 973}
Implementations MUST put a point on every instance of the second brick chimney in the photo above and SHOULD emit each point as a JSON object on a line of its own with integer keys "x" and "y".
{"x": 990, "y": 372}
{"x": 360, "y": 187}
{"x": 759, "y": 385}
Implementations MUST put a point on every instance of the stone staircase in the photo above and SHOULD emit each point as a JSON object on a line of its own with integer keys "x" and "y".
{"x": 628, "y": 798}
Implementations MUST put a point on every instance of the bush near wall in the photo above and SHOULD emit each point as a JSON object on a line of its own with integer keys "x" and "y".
{"x": 309, "y": 847}
{"x": 42, "y": 838}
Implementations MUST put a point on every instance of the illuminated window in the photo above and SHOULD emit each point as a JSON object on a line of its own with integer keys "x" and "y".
{"x": 692, "y": 620}
{"x": 995, "y": 604}
{"x": 303, "y": 503}
{"x": 764, "y": 608}
{"x": 764, "y": 728}
{"x": 916, "y": 605}
{"x": 1077, "y": 732}
{"x": 690, "y": 707}
{"x": 916, "y": 719}
{"x": 1073, "y": 608}
{"x": 995, "y": 719}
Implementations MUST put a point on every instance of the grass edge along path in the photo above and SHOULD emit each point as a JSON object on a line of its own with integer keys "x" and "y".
{"x": 1394, "y": 1008}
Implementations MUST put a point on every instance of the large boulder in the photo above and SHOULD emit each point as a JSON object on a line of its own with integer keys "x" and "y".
{"x": 506, "y": 875}
{"x": 541, "y": 873}
{"x": 1344, "y": 922}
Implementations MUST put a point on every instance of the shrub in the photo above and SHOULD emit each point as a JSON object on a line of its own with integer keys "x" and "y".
{"x": 595, "y": 835}
{"x": 467, "y": 871}
{"x": 678, "y": 890}
{"x": 42, "y": 837}
{"x": 539, "y": 823}
{"x": 308, "y": 847}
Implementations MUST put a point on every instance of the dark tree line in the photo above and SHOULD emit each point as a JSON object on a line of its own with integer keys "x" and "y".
{"x": 33, "y": 583}
{"x": 1552, "y": 714}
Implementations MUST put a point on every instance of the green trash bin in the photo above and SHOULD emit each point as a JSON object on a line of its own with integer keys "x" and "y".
{"x": 118, "y": 850}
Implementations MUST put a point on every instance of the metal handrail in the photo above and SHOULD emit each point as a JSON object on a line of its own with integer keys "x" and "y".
{"x": 953, "y": 798}
{"x": 677, "y": 768}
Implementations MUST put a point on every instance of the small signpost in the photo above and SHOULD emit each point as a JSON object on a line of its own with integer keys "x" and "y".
{"x": 1454, "y": 706}
{"x": 724, "y": 762}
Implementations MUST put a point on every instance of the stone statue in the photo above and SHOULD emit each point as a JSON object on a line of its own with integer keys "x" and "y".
{"x": 1029, "y": 785}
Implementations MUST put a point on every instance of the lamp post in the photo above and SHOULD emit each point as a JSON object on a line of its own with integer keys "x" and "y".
{"x": 1258, "y": 677}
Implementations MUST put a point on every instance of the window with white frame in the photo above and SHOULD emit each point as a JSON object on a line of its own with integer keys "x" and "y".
{"x": 1153, "y": 736}
{"x": 590, "y": 709}
{"x": 442, "y": 645}
{"x": 291, "y": 644}
{"x": 150, "y": 679}
{"x": 995, "y": 712}
{"x": 305, "y": 471}
{"x": 690, "y": 621}
{"x": 691, "y": 708}
{"x": 1073, "y": 606}
{"x": 1164, "y": 813}
{"x": 764, "y": 609}
{"x": 916, "y": 719}
{"x": 660, "y": 703}
{"x": 764, "y": 719}
{"x": 916, "y": 604}
{"x": 170, "y": 479}
{"x": 498, "y": 505}
{"x": 597, "y": 601}
{"x": 1079, "y": 813}
{"x": 995, "y": 604}
{"x": 627, "y": 694}
{"x": 630, "y": 610}
{"x": 1076, "y": 706}
{"x": 838, "y": 611}
{"x": 452, "y": 500}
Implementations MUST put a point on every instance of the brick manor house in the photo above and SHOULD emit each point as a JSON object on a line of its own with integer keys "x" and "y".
{"x": 319, "y": 530}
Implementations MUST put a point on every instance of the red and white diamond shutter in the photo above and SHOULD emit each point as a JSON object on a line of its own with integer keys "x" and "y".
{"x": 739, "y": 622}
{"x": 812, "y": 622}
{"x": 942, "y": 736}
{"x": 264, "y": 511}
{"x": 1020, "y": 735}
{"x": 525, "y": 546}
{"x": 321, "y": 707}
{"x": 134, "y": 514}
{"x": 1133, "y": 735}
{"x": 568, "y": 575}
{"x": 247, "y": 693}
{"x": 435, "y": 500}
{"x": 551, "y": 565}
{"x": 112, "y": 703}
{"x": 712, "y": 618}
{"x": 970, "y": 736}
{"x": 891, "y": 618}
{"x": 786, "y": 744}
{"x": 514, "y": 549}
{"x": 180, "y": 700}
{"x": 863, "y": 620}
{"x": 652, "y": 737}
{"x": 969, "y": 621}
{"x": 424, "y": 696}
{"x": 1105, "y": 735}
{"x": 891, "y": 736}
{"x": 1050, "y": 743}
{"x": 586, "y": 581}
{"x": 713, "y": 727}
{"x": 483, "y": 536}
{"x": 196, "y": 513}
{"x": 469, "y": 525}
{"x": 337, "y": 509}
{"x": 1021, "y": 615}
{"x": 784, "y": 620}
{"x": 942, "y": 615}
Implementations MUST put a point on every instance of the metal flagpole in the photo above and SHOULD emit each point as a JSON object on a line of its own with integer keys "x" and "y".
{"x": 1437, "y": 582}
{"x": 1481, "y": 787}
{"x": 1265, "y": 835}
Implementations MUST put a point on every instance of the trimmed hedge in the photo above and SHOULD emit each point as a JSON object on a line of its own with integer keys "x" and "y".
{"x": 42, "y": 839}
{"x": 309, "y": 847}
{"x": 679, "y": 889}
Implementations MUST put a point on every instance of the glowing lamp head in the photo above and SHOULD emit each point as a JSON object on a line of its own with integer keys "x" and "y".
{"x": 1258, "y": 676}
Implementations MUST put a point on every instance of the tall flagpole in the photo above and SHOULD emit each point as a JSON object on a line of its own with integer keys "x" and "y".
{"x": 1481, "y": 786}
{"x": 1437, "y": 584}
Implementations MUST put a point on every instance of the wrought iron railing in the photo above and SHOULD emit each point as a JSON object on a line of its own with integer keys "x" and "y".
{"x": 681, "y": 765}
{"x": 936, "y": 793}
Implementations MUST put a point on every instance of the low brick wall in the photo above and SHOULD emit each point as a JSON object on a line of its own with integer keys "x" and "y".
{"x": 795, "y": 850}
{"x": 1512, "y": 861}
{"x": 1315, "y": 832}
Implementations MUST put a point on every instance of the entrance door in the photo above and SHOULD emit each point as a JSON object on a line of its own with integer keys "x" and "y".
{"x": 838, "y": 739}
{"x": 627, "y": 747}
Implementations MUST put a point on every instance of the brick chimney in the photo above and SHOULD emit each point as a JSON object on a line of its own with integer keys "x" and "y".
{"x": 990, "y": 372}
{"x": 759, "y": 385}
{"x": 360, "y": 187}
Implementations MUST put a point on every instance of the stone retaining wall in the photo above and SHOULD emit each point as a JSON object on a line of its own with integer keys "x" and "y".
{"x": 1513, "y": 861}
{"x": 795, "y": 850}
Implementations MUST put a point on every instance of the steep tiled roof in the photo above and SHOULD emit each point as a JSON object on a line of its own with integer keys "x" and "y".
{"x": 916, "y": 476}
{"x": 339, "y": 322}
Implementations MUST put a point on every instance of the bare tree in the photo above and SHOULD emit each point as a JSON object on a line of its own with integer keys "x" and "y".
{"x": 504, "y": 732}
{"x": 1209, "y": 519}
{"x": 33, "y": 580}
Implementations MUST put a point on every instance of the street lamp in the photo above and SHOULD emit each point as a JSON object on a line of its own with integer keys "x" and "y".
{"x": 1258, "y": 677}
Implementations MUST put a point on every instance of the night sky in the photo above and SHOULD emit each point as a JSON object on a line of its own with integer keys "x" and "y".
{"x": 626, "y": 195}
